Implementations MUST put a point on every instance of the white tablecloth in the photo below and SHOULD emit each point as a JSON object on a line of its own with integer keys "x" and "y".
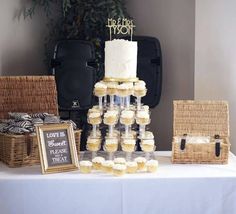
{"x": 174, "y": 189}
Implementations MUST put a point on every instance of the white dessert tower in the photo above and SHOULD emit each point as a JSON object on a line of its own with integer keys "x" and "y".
{"x": 119, "y": 115}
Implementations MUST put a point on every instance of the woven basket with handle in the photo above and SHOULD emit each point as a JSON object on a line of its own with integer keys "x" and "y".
{"x": 30, "y": 94}
{"x": 201, "y": 118}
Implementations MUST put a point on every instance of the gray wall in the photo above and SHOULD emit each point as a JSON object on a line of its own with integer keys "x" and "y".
{"x": 173, "y": 23}
{"x": 21, "y": 41}
{"x": 215, "y": 54}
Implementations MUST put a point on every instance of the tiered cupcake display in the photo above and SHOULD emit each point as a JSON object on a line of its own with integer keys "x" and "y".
{"x": 120, "y": 117}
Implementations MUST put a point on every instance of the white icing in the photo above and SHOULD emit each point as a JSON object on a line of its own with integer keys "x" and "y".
{"x": 143, "y": 114}
{"x": 140, "y": 83}
{"x": 119, "y": 167}
{"x": 99, "y": 85}
{"x": 112, "y": 85}
{"x": 127, "y": 114}
{"x": 93, "y": 141}
{"x": 148, "y": 142}
{"x": 112, "y": 141}
{"x": 94, "y": 114}
{"x": 131, "y": 164}
{"x": 85, "y": 163}
{"x": 152, "y": 163}
{"x": 129, "y": 141}
{"x": 119, "y": 160}
{"x": 140, "y": 160}
{"x": 98, "y": 159}
{"x": 149, "y": 135}
{"x": 121, "y": 59}
{"x": 108, "y": 163}
{"x": 111, "y": 114}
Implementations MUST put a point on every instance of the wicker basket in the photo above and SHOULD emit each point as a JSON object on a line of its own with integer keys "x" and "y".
{"x": 201, "y": 118}
{"x": 29, "y": 94}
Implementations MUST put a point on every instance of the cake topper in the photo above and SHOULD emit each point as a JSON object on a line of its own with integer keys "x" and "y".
{"x": 122, "y": 26}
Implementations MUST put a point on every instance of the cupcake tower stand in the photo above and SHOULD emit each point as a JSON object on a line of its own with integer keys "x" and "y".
{"x": 119, "y": 117}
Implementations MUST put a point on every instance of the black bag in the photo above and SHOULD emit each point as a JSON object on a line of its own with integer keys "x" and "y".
{"x": 73, "y": 66}
{"x": 149, "y": 68}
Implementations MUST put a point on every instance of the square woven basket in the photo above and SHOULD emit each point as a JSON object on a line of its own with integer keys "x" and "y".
{"x": 201, "y": 118}
{"x": 29, "y": 94}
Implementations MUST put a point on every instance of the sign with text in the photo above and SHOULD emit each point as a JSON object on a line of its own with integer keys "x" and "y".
{"x": 57, "y": 148}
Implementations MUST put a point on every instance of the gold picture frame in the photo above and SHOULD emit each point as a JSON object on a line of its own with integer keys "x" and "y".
{"x": 57, "y": 148}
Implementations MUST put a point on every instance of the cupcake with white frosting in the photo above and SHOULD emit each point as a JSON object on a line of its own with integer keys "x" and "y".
{"x": 127, "y": 117}
{"x": 132, "y": 167}
{"x": 97, "y": 162}
{"x": 110, "y": 117}
{"x": 152, "y": 165}
{"x": 93, "y": 144}
{"x": 148, "y": 145}
{"x": 100, "y": 89}
{"x": 128, "y": 144}
{"x": 140, "y": 89}
{"x": 107, "y": 166}
{"x": 112, "y": 88}
{"x": 111, "y": 144}
{"x": 119, "y": 160}
{"x": 125, "y": 89}
{"x": 94, "y": 118}
{"x": 119, "y": 169}
{"x": 85, "y": 166}
{"x": 141, "y": 161}
{"x": 142, "y": 118}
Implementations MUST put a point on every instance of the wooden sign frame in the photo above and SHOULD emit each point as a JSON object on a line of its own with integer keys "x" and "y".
{"x": 62, "y": 132}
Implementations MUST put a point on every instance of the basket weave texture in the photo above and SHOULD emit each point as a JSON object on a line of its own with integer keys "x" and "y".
{"x": 30, "y": 94}
{"x": 201, "y": 118}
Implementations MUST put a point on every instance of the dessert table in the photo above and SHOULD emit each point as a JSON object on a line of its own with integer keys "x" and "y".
{"x": 204, "y": 189}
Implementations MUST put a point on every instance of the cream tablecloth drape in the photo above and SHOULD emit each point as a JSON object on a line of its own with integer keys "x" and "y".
{"x": 174, "y": 189}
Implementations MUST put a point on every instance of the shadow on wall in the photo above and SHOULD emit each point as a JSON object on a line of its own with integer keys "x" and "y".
{"x": 21, "y": 41}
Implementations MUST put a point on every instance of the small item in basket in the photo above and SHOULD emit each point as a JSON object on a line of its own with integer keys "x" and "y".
{"x": 111, "y": 144}
{"x": 143, "y": 118}
{"x": 85, "y": 166}
{"x": 94, "y": 118}
{"x": 119, "y": 169}
{"x": 23, "y": 124}
{"x": 51, "y": 119}
{"x": 140, "y": 89}
{"x": 152, "y": 165}
{"x": 19, "y": 116}
{"x": 128, "y": 144}
{"x": 93, "y": 144}
{"x": 37, "y": 121}
{"x": 110, "y": 117}
{"x": 97, "y": 162}
{"x": 107, "y": 166}
{"x": 3, "y": 127}
{"x": 141, "y": 161}
{"x": 125, "y": 89}
{"x": 127, "y": 117}
{"x": 41, "y": 115}
{"x": 100, "y": 89}
{"x": 132, "y": 167}
{"x": 119, "y": 160}
{"x": 17, "y": 130}
{"x": 71, "y": 122}
{"x": 147, "y": 145}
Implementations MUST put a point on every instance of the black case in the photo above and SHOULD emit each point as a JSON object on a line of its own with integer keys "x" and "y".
{"x": 149, "y": 68}
{"x": 75, "y": 74}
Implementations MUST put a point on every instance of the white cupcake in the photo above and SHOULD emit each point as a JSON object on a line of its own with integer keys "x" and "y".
{"x": 97, "y": 162}
{"x": 152, "y": 165}
{"x": 148, "y": 145}
{"x": 132, "y": 167}
{"x": 141, "y": 161}
{"x": 100, "y": 89}
{"x": 85, "y": 166}
{"x": 107, "y": 166}
{"x": 119, "y": 160}
{"x": 119, "y": 169}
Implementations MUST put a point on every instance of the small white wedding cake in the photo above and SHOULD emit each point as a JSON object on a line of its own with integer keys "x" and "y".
{"x": 121, "y": 59}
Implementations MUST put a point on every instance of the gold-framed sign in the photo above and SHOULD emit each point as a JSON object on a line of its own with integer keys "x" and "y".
{"x": 57, "y": 148}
